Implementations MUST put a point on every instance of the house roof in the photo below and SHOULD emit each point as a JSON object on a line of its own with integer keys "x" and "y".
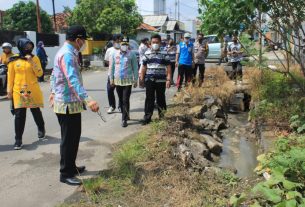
{"x": 147, "y": 27}
{"x": 155, "y": 20}
{"x": 173, "y": 25}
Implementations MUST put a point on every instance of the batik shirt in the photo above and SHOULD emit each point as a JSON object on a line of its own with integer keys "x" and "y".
{"x": 156, "y": 63}
{"x": 67, "y": 83}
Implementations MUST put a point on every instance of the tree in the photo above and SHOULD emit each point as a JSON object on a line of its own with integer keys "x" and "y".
{"x": 286, "y": 18}
{"x": 100, "y": 16}
{"x": 22, "y": 17}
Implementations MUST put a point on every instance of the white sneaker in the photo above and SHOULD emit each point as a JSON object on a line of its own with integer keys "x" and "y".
{"x": 110, "y": 110}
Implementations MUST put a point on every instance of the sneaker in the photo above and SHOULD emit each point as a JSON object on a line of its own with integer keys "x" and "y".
{"x": 110, "y": 110}
{"x": 41, "y": 134}
{"x": 18, "y": 146}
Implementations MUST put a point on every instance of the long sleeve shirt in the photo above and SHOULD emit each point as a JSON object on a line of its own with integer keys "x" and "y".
{"x": 124, "y": 68}
{"x": 67, "y": 83}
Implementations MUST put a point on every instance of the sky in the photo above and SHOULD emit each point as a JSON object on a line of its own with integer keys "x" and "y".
{"x": 44, "y": 4}
{"x": 188, "y": 9}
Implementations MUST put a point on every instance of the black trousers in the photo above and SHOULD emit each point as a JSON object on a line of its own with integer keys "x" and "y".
{"x": 237, "y": 70}
{"x": 70, "y": 126}
{"x": 20, "y": 117}
{"x": 154, "y": 90}
{"x": 124, "y": 93}
{"x": 201, "y": 72}
{"x": 184, "y": 72}
{"x": 110, "y": 93}
{"x": 173, "y": 68}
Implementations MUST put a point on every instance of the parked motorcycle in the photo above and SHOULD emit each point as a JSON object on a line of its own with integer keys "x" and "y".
{"x": 3, "y": 79}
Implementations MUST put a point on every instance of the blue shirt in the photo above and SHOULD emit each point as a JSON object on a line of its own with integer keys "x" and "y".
{"x": 186, "y": 53}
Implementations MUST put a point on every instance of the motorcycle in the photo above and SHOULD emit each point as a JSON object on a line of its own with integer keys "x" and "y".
{"x": 3, "y": 79}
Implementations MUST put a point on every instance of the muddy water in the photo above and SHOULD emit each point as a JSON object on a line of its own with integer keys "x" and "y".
{"x": 240, "y": 150}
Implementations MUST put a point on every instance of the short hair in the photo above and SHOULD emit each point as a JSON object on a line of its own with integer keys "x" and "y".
{"x": 116, "y": 37}
{"x": 156, "y": 36}
{"x": 144, "y": 40}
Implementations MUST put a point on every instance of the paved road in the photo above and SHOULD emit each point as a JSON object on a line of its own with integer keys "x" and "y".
{"x": 30, "y": 177}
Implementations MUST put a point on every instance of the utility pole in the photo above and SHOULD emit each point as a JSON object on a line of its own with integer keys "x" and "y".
{"x": 38, "y": 17}
{"x": 54, "y": 16}
{"x": 178, "y": 10}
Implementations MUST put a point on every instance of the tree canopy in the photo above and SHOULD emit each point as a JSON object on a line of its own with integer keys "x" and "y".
{"x": 100, "y": 16}
{"x": 22, "y": 17}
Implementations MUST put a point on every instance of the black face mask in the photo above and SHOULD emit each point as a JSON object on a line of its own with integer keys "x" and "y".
{"x": 27, "y": 52}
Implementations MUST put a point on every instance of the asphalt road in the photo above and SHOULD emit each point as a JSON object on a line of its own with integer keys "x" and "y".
{"x": 30, "y": 177}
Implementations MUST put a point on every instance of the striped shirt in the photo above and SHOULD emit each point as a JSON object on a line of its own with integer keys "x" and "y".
{"x": 66, "y": 82}
{"x": 156, "y": 63}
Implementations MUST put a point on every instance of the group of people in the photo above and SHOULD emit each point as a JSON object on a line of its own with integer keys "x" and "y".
{"x": 155, "y": 71}
{"x": 69, "y": 98}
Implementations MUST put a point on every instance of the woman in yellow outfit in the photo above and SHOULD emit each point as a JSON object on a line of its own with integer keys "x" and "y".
{"x": 23, "y": 88}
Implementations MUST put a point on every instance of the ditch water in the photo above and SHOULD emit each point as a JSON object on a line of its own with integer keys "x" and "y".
{"x": 240, "y": 148}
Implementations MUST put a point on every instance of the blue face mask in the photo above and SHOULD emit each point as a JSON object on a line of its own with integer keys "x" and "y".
{"x": 186, "y": 40}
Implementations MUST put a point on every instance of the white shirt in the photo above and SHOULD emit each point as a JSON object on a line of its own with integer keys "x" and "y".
{"x": 109, "y": 53}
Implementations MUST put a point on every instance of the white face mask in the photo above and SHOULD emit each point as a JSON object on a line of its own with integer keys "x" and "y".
{"x": 117, "y": 46}
{"x": 83, "y": 47}
{"x": 155, "y": 46}
{"x": 124, "y": 48}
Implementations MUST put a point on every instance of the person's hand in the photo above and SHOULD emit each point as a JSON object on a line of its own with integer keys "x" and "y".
{"x": 112, "y": 83}
{"x": 168, "y": 84}
{"x": 51, "y": 100}
{"x": 141, "y": 83}
{"x": 135, "y": 84}
{"x": 93, "y": 105}
{"x": 176, "y": 65}
{"x": 9, "y": 95}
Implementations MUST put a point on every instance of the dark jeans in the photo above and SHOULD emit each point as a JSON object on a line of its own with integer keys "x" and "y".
{"x": 154, "y": 90}
{"x": 237, "y": 70}
{"x": 184, "y": 71}
{"x": 124, "y": 93}
{"x": 173, "y": 68}
{"x": 71, "y": 127}
{"x": 41, "y": 79}
{"x": 110, "y": 93}
{"x": 201, "y": 72}
{"x": 20, "y": 117}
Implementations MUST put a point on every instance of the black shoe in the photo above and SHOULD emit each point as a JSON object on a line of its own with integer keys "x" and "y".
{"x": 18, "y": 146}
{"x": 80, "y": 170}
{"x": 70, "y": 181}
{"x": 145, "y": 122}
{"x": 41, "y": 134}
{"x": 124, "y": 123}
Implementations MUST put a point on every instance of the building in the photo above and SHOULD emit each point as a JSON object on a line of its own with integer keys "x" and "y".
{"x": 166, "y": 27}
{"x": 145, "y": 31}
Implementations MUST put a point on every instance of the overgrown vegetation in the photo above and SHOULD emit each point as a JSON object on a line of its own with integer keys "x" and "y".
{"x": 284, "y": 170}
{"x": 277, "y": 99}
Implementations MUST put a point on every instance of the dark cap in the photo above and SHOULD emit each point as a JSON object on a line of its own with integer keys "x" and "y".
{"x": 125, "y": 40}
{"x": 76, "y": 31}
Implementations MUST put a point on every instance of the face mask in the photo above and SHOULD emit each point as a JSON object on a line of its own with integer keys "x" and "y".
{"x": 186, "y": 40}
{"x": 155, "y": 46}
{"x": 83, "y": 47}
{"x": 117, "y": 46}
{"x": 28, "y": 51}
{"x": 124, "y": 48}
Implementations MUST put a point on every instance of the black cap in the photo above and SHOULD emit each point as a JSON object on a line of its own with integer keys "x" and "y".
{"x": 76, "y": 31}
{"x": 125, "y": 40}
